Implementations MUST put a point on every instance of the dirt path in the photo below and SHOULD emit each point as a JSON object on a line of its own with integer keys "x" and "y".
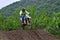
{"x": 3, "y": 36}
{"x": 30, "y": 35}
{"x": 27, "y": 35}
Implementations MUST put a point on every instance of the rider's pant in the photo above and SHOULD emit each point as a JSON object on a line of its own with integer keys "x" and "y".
{"x": 24, "y": 17}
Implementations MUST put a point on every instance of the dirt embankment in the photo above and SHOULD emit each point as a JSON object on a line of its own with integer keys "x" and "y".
{"x": 26, "y": 35}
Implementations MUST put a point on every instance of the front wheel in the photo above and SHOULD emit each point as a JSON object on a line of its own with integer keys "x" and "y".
{"x": 29, "y": 23}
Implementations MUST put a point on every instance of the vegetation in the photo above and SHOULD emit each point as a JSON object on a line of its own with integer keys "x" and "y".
{"x": 45, "y": 15}
{"x": 50, "y": 5}
{"x": 40, "y": 20}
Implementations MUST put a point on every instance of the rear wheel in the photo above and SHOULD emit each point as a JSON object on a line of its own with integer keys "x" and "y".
{"x": 26, "y": 22}
{"x": 23, "y": 26}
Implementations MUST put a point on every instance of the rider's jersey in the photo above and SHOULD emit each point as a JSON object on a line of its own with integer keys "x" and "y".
{"x": 23, "y": 13}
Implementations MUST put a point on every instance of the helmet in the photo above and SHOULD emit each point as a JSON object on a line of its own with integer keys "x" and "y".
{"x": 23, "y": 9}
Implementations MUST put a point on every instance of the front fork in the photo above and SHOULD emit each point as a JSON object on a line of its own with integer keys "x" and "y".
{"x": 26, "y": 22}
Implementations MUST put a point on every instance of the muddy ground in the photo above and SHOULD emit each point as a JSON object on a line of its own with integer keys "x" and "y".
{"x": 27, "y": 35}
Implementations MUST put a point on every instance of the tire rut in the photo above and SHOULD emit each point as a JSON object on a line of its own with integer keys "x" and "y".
{"x": 34, "y": 35}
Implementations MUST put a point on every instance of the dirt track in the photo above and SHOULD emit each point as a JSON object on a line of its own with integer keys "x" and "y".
{"x": 26, "y": 35}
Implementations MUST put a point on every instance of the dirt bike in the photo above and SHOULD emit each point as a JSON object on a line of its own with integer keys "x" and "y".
{"x": 26, "y": 21}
